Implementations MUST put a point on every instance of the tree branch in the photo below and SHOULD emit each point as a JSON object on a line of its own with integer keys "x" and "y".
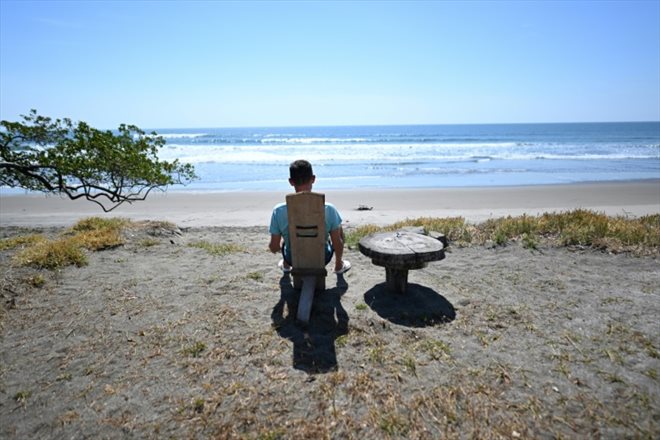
{"x": 83, "y": 162}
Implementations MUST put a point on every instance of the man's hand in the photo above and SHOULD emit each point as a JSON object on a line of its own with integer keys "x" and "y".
{"x": 337, "y": 240}
{"x": 275, "y": 244}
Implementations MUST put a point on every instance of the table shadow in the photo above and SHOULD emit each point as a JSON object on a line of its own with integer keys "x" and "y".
{"x": 313, "y": 344}
{"x": 419, "y": 307}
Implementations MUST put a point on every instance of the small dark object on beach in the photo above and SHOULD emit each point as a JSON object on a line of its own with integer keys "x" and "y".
{"x": 364, "y": 208}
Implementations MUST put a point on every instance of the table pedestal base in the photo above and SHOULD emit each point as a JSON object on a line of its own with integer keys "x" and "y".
{"x": 396, "y": 279}
{"x": 399, "y": 252}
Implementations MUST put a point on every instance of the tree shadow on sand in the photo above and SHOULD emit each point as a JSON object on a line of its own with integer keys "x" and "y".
{"x": 418, "y": 307}
{"x": 313, "y": 344}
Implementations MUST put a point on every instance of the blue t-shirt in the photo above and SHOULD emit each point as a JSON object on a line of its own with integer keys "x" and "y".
{"x": 279, "y": 221}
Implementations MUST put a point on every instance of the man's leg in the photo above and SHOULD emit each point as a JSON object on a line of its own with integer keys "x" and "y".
{"x": 286, "y": 256}
{"x": 329, "y": 252}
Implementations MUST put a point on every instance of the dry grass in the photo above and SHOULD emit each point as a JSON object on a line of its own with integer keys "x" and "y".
{"x": 20, "y": 241}
{"x": 191, "y": 360}
{"x": 92, "y": 233}
{"x": 52, "y": 254}
{"x": 98, "y": 223}
{"x": 218, "y": 249}
{"x": 98, "y": 240}
{"x": 572, "y": 228}
{"x": 95, "y": 233}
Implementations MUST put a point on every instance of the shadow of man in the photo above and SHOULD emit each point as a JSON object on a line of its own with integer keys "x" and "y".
{"x": 418, "y": 307}
{"x": 314, "y": 344}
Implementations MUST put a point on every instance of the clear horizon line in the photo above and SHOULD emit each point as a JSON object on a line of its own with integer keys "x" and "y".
{"x": 397, "y": 125}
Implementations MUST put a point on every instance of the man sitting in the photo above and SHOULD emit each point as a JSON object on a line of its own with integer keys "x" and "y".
{"x": 301, "y": 177}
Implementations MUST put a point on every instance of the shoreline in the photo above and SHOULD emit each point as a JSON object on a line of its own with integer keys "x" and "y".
{"x": 253, "y": 208}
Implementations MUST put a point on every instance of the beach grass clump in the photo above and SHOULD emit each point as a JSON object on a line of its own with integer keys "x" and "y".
{"x": 98, "y": 223}
{"x": 96, "y": 233}
{"x": 21, "y": 241}
{"x": 93, "y": 233}
{"x": 579, "y": 227}
{"x": 52, "y": 254}
{"x": 644, "y": 231}
{"x": 456, "y": 229}
{"x": 354, "y": 235}
{"x": 501, "y": 230}
{"x": 218, "y": 249}
{"x": 100, "y": 239}
{"x": 588, "y": 228}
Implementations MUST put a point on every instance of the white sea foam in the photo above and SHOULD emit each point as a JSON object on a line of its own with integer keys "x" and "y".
{"x": 388, "y": 152}
{"x": 310, "y": 140}
{"x": 420, "y": 155}
{"x": 182, "y": 135}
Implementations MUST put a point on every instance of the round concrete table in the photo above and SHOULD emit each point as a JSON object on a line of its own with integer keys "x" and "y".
{"x": 399, "y": 252}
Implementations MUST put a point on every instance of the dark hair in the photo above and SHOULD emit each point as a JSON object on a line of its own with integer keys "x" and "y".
{"x": 300, "y": 172}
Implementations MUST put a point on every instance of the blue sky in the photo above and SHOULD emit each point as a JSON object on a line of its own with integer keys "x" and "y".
{"x": 227, "y": 64}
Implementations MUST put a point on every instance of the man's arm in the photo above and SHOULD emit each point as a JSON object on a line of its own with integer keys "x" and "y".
{"x": 337, "y": 240}
{"x": 275, "y": 244}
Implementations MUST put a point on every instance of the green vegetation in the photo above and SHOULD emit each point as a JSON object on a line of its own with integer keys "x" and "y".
{"x": 572, "y": 228}
{"x": 198, "y": 405}
{"x": 218, "y": 249}
{"x": 22, "y": 396}
{"x": 62, "y": 157}
{"x": 256, "y": 276}
{"x": 410, "y": 364}
{"x": 435, "y": 349}
{"x": 37, "y": 280}
{"x": 194, "y": 350}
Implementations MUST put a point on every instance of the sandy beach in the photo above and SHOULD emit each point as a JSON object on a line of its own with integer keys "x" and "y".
{"x": 254, "y": 208}
{"x": 159, "y": 338}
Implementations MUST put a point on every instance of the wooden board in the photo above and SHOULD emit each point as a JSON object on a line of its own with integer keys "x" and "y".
{"x": 306, "y": 211}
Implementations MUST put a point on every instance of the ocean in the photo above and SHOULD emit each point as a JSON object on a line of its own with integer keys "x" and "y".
{"x": 417, "y": 156}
